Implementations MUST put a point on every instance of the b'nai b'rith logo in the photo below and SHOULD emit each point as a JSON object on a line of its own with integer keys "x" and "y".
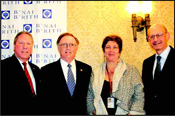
{"x": 5, "y": 44}
{"x": 47, "y": 13}
{"x": 28, "y": 2}
{"x": 5, "y": 14}
{"x": 47, "y": 43}
{"x": 27, "y": 27}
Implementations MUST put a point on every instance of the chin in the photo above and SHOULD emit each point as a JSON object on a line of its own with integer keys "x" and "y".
{"x": 157, "y": 47}
{"x": 110, "y": 60}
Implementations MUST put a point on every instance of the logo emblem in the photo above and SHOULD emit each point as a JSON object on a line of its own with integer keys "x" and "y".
{"x": 27, "y": 2}
{"x": 47, "y": 43}
{"x": 27, "y": 27}
{"x": 5, "y": 44}
{"x": 5, "y": 14}
{"x": 47, "y": 13}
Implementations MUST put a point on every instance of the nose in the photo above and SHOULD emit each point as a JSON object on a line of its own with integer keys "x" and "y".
{"x": 112, "y": 49}
{"x": 155, "y": 38}
{"x": 25, "y": 45}
{"x": 67, "y": 46}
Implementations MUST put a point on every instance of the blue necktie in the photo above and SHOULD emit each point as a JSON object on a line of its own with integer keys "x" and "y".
{"x": 158, "y": 68}
{"x": 70, "y": 80}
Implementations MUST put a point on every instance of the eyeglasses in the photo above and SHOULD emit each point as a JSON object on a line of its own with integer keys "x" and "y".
{"x": 65, "y": 45}
{"x": 152, "y": 37}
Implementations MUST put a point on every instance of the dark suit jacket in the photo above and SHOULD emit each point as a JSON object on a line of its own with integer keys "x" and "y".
{"x": 159, "y": 96}
{"x": 15, "y": 90}
{"x": 55, "y": 95}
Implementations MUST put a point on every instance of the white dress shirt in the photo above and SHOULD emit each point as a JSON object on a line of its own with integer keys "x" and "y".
{"x": 164, "y": 56}
{"x": 65, "y": 68}
{"x": 30, "y": 73}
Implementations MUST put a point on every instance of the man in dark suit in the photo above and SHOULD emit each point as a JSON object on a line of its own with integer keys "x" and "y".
{"x": 19, "y": 96}
{"x": 55, "y": 93}
{"x": 158, "y": 73}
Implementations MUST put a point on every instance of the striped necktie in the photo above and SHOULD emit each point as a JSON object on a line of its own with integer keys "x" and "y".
{"x": 70, "y": 80}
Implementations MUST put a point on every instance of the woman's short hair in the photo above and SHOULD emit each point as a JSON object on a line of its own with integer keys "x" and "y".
{"x": 115, "y": 38}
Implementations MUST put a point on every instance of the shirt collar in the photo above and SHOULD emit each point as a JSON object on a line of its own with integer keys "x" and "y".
{"x": 64, "y": 63}
{"x": 165, "y": 53}
{"x": 21, "y": 61}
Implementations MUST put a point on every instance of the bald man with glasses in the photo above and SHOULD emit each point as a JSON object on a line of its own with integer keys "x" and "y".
{"x": 158, "y": 73}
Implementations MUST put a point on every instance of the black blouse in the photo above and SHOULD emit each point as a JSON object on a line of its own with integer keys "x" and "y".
{"x": 105, "y": 94}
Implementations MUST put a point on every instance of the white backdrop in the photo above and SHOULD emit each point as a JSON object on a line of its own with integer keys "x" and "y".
{"x": 45, "y": 20}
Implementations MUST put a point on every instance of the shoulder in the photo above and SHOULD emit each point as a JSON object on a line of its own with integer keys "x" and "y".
{"x": 149, "y": 59}
{"x": 82, "y": 64}
{"x": 5, "y": 60}
{"x": 7, "y": 64}
{"x": 132, "y": 68}
{"x": 51, "y": 65}
{"x": 34, "y": 66}
{"x": 172, "y": 50}
{"x": 132, "y": 73}
{"x": 9, "y": 61}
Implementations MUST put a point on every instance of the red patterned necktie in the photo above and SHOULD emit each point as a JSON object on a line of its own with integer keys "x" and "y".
{"x": 28, "y": 78}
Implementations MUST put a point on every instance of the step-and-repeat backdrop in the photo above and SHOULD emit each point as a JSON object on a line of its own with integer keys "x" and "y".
{"x": 45, "y": 20}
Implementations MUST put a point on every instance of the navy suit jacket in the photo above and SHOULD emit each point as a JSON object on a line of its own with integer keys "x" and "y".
{"x": 55, "y": 96}
{"x": 15, "y": 89}
{"x": 159, "y": 96}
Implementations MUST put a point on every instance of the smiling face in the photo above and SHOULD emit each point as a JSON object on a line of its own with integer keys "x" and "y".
{"x": 67, "y": 48}
{"x": 158, "y": 43}
{"x": 111, "y": 51}
{"x": 23, "y": 47}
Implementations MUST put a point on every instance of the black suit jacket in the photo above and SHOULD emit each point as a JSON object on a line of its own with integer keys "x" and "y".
{"x": 55, "y": 96}
{"x": 15, "y": 89}
{"x": 159, "y": 96}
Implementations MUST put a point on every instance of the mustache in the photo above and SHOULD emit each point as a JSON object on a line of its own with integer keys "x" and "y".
{"x": 156, "y": 42}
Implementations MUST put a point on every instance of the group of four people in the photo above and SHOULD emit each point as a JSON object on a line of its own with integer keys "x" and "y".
{"x": 71, "y": 87}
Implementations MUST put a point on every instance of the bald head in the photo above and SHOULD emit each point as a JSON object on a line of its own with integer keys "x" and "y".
{"x": 160, "y": 26}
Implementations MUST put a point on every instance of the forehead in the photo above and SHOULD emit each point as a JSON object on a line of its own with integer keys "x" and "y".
{"x": 156, "y": 29}
{"x": 67, "y": 38}
{"x": 111, "y": 43}
{"x": 25, "y": 37}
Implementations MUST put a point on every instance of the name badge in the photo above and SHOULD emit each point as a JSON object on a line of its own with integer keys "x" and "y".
{"x": 110, "y": 102}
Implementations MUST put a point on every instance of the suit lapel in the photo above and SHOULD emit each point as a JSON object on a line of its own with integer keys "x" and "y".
{"x": 21, "y": 79}
{"x": 61, "y": 76}
{"x": 17, "y": 66}
{"x": 33, "y": 70}
{"x": 168, "y": 61}
{"x": 79, "y": 71}
{"x": 150, "y": 68}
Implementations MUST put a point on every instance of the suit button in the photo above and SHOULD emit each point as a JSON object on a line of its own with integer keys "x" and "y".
{"x": 155, "y": 96}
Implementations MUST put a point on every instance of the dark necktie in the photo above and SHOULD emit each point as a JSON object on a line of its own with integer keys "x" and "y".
{"x": 70, "y": 80}
{"x": 158, "y": 68}
{"x": 28, "y": 78}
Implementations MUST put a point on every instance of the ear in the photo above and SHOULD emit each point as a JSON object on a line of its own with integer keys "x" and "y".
{"x": 119, "y": 54}
{"x": 58, "y": 47}
{"x": 167, "y": 36}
